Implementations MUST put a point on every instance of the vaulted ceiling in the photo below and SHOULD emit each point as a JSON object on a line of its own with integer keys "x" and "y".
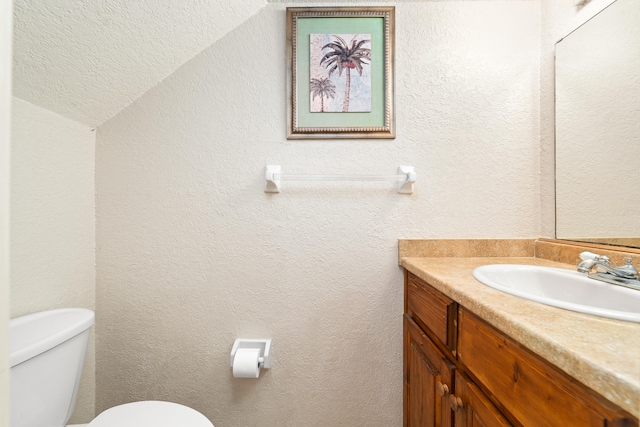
{"x": 89, "y": 59}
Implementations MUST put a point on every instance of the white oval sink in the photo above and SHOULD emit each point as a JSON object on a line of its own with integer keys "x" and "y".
{"x": 562, "y": 288}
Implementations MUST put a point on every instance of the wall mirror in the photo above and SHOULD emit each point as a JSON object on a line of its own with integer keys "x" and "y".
{"x": 598, "y": 129}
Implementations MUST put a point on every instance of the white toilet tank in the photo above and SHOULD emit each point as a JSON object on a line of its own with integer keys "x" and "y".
{"x": 46, "y": 355}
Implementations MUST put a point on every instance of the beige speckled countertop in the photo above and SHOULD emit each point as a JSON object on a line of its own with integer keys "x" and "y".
{"x": 601, "y": 353}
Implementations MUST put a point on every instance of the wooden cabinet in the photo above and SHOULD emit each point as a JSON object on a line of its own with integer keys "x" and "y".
{"x": 459, "y": 371}
{"x": 428, "y": 380}
{"x": 429, "y": 346}
{"x": 435, "y": 313}
{"x": 473, "y": 408}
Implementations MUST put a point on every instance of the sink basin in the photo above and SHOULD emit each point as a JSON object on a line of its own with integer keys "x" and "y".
{"x": 562, "y": 288}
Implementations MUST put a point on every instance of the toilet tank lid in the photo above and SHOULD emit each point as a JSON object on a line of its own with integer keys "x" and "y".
{"x": 36, "y": 333}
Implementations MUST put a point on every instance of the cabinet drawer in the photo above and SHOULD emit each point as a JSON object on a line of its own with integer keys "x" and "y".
{"x": 433, "y": 309}
{"x": 533, "y": 391}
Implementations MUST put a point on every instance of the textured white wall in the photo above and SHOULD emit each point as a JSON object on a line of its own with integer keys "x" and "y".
{"x": 53, "y": 221}
{"x": 87, "y": 60}
{"x": 5, "y": 152}
{"x": 192, "y": 253}
{"x": 559, "y": 18}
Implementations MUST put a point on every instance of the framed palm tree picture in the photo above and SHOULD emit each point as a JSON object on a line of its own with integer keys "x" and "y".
{"x": 340, "y": 72}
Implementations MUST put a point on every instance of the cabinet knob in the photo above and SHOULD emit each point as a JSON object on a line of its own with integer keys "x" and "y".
{"x": 455, "y": 403}
{"x": 443, "y": 389}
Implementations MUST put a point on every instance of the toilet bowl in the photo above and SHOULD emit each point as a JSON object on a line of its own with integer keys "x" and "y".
{"x": 47, "y": 351}
{"x": 150, "y": 413}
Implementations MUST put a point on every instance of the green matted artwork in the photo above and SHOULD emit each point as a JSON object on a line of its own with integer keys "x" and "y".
{"x": 340, "y": 72}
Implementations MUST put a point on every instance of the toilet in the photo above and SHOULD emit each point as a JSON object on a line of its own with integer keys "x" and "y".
{"x": 47, "y": 351}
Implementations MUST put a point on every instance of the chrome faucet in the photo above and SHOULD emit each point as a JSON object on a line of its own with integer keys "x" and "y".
{"x": 625, "y": 275}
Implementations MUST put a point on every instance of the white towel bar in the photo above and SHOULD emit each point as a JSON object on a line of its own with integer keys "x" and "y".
{"x": 406, "y": 178}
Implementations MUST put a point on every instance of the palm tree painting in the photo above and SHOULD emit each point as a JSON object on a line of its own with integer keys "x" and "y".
{"x": 333, "y": 57}
{"x": 322, "y": 87}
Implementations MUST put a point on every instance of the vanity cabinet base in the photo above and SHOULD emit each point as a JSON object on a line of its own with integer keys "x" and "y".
{"x": 484, "y": 377}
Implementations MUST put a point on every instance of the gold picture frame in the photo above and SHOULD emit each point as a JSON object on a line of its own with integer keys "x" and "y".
{"x": 349, "y": 92}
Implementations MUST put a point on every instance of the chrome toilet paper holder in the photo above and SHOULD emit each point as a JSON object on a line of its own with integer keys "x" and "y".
{"x": 264, "y": 345}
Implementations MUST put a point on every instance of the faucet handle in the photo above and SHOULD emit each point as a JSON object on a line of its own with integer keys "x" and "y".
{"x": 631, "y": 269}
{"x": 586, "y": 256}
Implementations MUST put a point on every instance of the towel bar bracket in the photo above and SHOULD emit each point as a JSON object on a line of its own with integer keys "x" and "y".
{"x": 273, "y": 184}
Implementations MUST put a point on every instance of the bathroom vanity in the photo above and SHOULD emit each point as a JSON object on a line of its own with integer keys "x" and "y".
{"x": 474, "y": 356}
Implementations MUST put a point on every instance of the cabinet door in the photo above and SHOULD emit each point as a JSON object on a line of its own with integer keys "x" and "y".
{"x": 472, "y": 408}
{"x": 428, "y": 381}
